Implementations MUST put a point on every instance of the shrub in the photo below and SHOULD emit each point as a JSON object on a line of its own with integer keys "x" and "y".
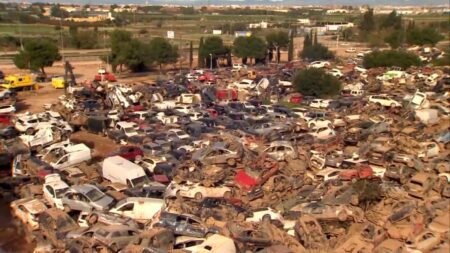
{"x": 316, "y": 82}
{"x": 391, "y": 58}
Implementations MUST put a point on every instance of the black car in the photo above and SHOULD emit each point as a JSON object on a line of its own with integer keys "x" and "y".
{"x": 220, "y": 209}
{"x": 184, "y": 224}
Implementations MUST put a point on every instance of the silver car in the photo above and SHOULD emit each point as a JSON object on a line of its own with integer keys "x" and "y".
{"x": 86, "y": 197}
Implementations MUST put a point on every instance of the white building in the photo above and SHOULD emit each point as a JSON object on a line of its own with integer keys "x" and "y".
{"x": 304, "y": 21}
{"x": 262, "y": 25}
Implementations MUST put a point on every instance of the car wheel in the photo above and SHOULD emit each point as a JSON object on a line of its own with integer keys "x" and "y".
{"x": 114, "y": 248}
{"x": 30, "y": 131}
{"x": 392, "y": 105}
{"x": 198, "y": 196}
{"x": 93, "y": 219}
{"x": 342, "y": 216}
{"x": 39, "y": 148}
{"x": 266, "y": 218}
{"x": 379, "y": 104}
{"x": 66, "y": 208}
{"x": 227, "y": 194}
{"x": 231, "y": 162}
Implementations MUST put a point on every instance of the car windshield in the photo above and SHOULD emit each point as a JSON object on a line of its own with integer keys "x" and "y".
{"x": 139, "y": 181}
{"x": 94, "y": 194}
{"x": 60, "y": 192}
{"x": 129, "y": 130}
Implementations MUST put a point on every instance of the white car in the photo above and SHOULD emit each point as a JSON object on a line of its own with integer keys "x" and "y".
{"x": 28, "y": 123}
{"x": 27, "y": 211}
{"x": 350, "y": 50}
{"x": 323, "y": 132}
{"x": 327, "y": 174}
{"x": 183, "y": 108}
{"x": 113, "y": 114}
{"x": 384, "y": 100}
{"x": 319, "y": 103}
{"x": 245, "y": 84}
{"x": 214, "y": 243}
{"x": 197, "y": 191}
{"x": 150, "y": 162}
{"x": 319, "y": 122}
{"x": 182, "y": 135}
{"x": 301, "y": 112}
{"x": 335, "y": 73}
{"x": 319, "y": 64}
{"x": 264, "y": 214}
{"x": 54, "y": 188}
{"x": 7, "y": 109}
{"x": 239, "y": 66}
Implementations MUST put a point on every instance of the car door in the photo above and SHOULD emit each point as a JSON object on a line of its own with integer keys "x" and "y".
{"x": 49, "y": 194}
{"x": 195, "y": 227}
{"x": 127, "y": 210}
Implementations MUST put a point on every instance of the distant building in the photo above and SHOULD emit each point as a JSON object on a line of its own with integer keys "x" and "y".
{"x": 262, "y": 25}
{"x": 334, "y": 11}
{"x": 242, "y": 34}
{"x": 304, "y": 21}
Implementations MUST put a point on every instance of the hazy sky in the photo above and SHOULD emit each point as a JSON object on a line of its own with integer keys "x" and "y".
{"x": 256, "y": 2}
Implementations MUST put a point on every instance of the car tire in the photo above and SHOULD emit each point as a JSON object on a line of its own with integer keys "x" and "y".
{"x": 392, "y": 105}
{"x": 266, "y": 218}
{"x": 198, "y": 196}
{"x": 227, "y": 194}
{"x": 93, "y": 219}
{"x": 66, "y": 208}
{"x": 231, "y": 162}
{"x": 342, "y": 216}
{"x": 29, "y": 131}
{"x": 114, "y": 248}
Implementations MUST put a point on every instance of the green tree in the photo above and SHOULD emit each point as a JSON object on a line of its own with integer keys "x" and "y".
{"x": 395, "y": 39}
{"x": 316, "y": 82}
{"x": 191, "y": 54}
{"x": 249, "y": 47}
{"x": 212, "y": 47}
{"x": 57, "y": 12}
{"x": 163, "y": 52}
{"x": 392, "y": 21}
{"x": 391, "y": 58}
{"x": 425, "y": 36}
{"x": 277, "y": 40}
{"x": 307, "y": 42}
{"x": 291, "y": 48}
{"x": 347, "y": 33}
{"x": 200, "y": 59}
{"x": 367, "y": 24}
{"x": 118, "y": 39}
{"x": 368, "y": 192}
{"x": 315, "y": 41}
{"x": 316, "y": 52}
{"x": 37, "y": 54}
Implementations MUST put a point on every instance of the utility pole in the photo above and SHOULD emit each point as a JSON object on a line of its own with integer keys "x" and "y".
{"x": 62, "y": 37}
{"x": 210, "y": 61}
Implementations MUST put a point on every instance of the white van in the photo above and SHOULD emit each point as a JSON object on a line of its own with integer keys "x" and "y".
{"x": 139, "y": 209}
{"x": 60, "y": 157}
{"x": 119, "y": 170}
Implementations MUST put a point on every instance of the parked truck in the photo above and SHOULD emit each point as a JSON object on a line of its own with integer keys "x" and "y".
{"x": 18, "y": 82}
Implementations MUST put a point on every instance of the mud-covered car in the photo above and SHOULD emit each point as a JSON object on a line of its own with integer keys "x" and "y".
{"x": 158, "y": 238}
{"x": 183, "y": 224}
{"x": 321, "y": 211}
{"x": 216, "y": 155}
{"x": 54, "y": 225}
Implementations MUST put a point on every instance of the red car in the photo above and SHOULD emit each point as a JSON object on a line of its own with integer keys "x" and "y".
{"x": 208, "y": 77}
{"x": 105, "y": 77}
{"x": 5, "y": 119}
{"x": 248, "y": 178}
{"x": 358, "y": 172}
{"x": 129, "y": 152}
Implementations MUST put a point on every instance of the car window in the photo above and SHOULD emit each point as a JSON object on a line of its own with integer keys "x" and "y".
{"x": 127, "y": 207}
{"x": 50, "y": 190}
